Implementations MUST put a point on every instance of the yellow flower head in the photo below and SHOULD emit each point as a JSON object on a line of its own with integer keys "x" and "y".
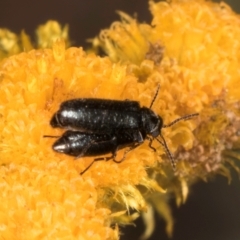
{"x": 199, "y": 42}
{"x": 189, "y": 50}
{"x": 47, "y": 34}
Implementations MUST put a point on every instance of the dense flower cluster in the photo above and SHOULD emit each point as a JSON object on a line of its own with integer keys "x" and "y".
{"x": 190, "y": 50}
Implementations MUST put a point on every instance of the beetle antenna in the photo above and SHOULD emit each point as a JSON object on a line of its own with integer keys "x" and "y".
{"x": 155, "y": 96}
{"x": 163, "y": 142}
{"x": 184, "y": 118}
{"x": 170, "y": 156}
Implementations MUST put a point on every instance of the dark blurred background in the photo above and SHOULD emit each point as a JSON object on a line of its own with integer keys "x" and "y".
{"x": 212, "y": 211}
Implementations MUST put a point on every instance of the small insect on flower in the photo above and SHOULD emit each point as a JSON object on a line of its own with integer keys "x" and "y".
{"x": 100, "y": 126}
{"x": 80, "y": 144}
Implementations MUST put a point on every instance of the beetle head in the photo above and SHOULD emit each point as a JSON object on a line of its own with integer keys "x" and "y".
{"x": 152, "y": 123}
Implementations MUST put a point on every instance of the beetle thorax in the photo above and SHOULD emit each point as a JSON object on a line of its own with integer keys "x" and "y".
{"x": 152, "y": 123}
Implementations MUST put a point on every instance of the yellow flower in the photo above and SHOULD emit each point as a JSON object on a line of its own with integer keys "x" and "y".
{"x": 189, "y": 50}
{"x": 9, "y": 43}
{"x": 199, "y": 70}
{"x": 47, "y": 34}
{"x": 199, "y": 42}
{"x": 43, "y": 195}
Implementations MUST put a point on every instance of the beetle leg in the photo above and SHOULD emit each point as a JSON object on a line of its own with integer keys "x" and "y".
{"x": 81, "y": 173}
{"x": 150, "y": 143}
{"x": 50, "y": 136}
{"x": 125, "y": 153}
{"x": 95, "y": 160}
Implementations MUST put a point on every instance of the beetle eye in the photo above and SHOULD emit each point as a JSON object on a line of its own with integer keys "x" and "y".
{"x": 155, "y": 130}
{"x": 153, "y": 124}
{"x": 157, "y": 126}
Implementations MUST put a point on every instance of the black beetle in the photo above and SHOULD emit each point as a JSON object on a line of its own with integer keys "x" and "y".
{"x": 79, "y": 144}
{"x": 106, "y": 116}
{"x": 121, "y": 123}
